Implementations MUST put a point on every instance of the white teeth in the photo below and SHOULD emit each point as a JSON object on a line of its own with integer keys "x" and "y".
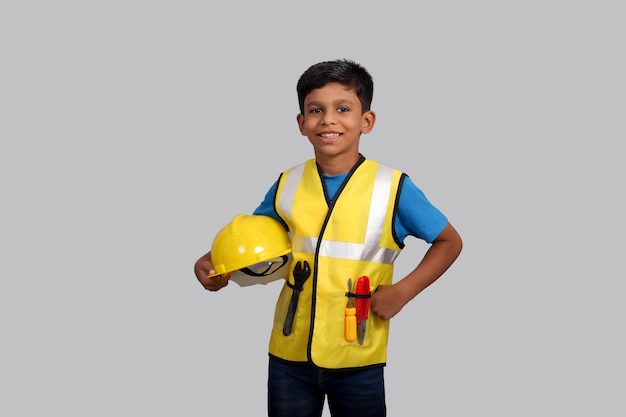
{"x": 329, "y": 135}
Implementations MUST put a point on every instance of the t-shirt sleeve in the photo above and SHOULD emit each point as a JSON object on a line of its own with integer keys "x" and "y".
{"x": 416, "y": 215}
{"x": 266, "y": 208}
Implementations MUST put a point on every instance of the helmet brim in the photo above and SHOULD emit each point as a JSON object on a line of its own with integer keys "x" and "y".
{"x": 238, "y": 269}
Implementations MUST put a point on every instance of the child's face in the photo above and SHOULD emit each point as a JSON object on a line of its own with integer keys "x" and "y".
{"x": 333, "y": 122}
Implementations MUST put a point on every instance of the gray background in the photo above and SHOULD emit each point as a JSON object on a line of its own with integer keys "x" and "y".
{"x": 132, "y": 131}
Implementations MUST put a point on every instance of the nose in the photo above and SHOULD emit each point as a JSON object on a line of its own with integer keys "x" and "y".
{"x": 328, "y": 119}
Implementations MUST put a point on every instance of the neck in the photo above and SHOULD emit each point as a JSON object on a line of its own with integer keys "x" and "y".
{"x": 337, "y": 165}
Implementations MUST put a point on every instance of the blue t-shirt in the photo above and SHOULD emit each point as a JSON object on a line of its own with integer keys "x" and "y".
{"x": 416, "y": 216}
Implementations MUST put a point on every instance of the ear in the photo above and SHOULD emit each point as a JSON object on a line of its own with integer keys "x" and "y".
{"x": 300, "y": 120}
{"x": 368, "y": 119}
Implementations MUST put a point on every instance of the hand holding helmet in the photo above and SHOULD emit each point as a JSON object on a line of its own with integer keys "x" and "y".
{"x": 205, "y": 272}
{"x": 249, "y": 250}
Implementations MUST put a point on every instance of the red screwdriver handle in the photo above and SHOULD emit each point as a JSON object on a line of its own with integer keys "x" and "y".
{"x": 362, "y": 304}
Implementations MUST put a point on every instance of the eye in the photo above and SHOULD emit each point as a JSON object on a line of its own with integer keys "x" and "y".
{"x": 315, "y": 110}
{"x": 343, "y": 109}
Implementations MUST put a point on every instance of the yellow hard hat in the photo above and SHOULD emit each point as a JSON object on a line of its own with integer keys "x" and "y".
{"x": 255, "y": 245}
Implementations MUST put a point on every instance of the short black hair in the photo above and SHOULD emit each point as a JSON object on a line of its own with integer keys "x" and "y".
{"x": 342, "y": 71}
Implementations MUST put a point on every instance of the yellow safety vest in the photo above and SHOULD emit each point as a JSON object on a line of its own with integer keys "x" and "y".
{"x": 348, "y": 237}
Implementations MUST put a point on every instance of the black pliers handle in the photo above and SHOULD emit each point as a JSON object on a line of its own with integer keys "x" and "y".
{"x": 300, "y": 274}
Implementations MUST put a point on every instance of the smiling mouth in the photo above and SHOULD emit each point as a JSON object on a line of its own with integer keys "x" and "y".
{"x": 329, "y": 135}
{"x": 329, "y": 138}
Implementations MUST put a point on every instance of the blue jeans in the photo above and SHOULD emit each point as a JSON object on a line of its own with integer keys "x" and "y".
{"x": 296, "y": 390}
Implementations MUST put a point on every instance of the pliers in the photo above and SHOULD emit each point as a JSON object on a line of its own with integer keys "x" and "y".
{"x": 300, "y": 274}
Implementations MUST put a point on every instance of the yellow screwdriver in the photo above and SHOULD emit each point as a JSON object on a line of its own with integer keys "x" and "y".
{"x": 350, "y": 319}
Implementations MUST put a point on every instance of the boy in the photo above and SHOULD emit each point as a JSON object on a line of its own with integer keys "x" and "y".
{"x": 348, "y": 217}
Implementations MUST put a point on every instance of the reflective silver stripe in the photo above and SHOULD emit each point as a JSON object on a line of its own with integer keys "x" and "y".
{"x": 356, "y": 251}
{"x": 370, "y": 249}
{"x": 304, "y": 244}
{"x": 345, "y": 250}
{"x": 289, "y": 188}
{"x": 378, "y": 206}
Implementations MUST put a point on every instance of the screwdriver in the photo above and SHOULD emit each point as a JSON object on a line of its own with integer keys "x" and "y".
{"x": 350, "y": 319}
{"x": 362, "y": 305}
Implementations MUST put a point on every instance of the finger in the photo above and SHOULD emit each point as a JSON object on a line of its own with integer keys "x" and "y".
{"x": 215, "y": 283}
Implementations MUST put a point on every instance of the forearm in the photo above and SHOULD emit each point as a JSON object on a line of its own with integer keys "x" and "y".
{"x": 388, "y": 300}
{"x": 439, "y": 257}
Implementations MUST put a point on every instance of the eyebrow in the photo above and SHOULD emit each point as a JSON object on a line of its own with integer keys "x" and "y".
{"x": 336, "y": 102}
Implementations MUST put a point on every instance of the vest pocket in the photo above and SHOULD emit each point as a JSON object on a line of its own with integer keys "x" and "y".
{"x": 301, "y": 273}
